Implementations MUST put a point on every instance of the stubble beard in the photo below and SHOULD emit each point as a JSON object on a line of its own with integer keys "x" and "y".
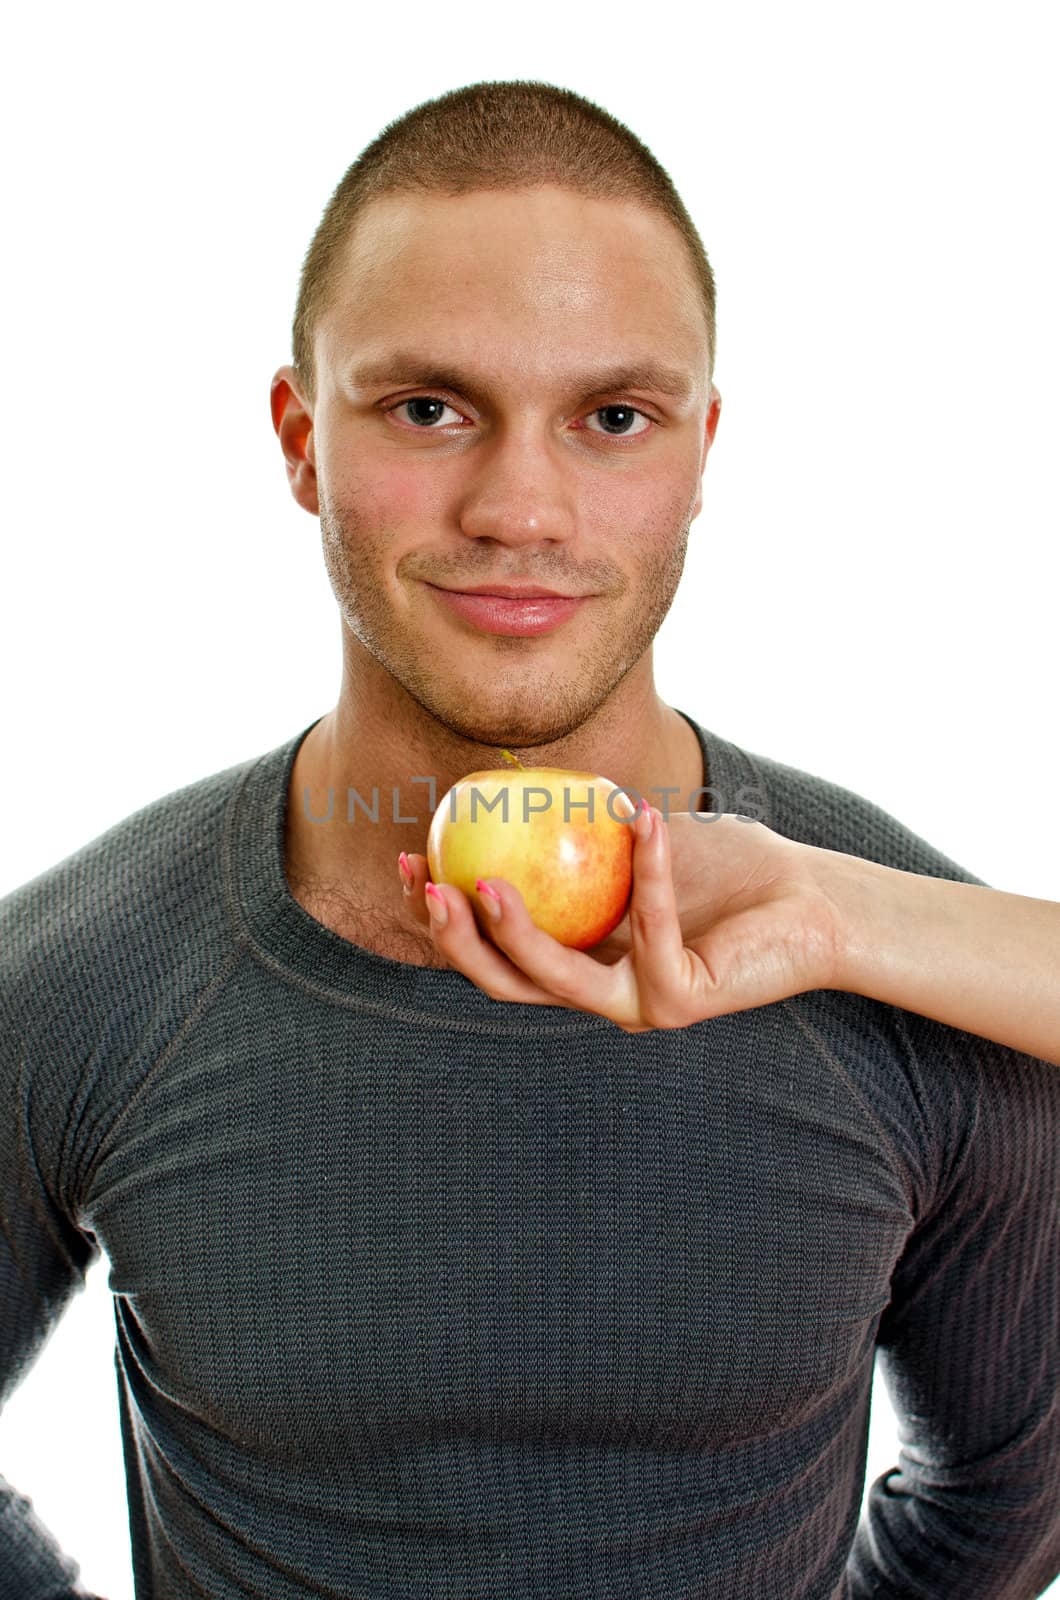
{"x": 528, "y": 705}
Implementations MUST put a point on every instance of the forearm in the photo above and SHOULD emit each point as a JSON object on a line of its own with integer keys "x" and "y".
{"x": 911, "y": 1546}
{"x": 972, "y": 957}
{"x": 32, "y": 1566}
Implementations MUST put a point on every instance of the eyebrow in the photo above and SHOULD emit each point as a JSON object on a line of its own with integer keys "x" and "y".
{"x": 405, "y": 367}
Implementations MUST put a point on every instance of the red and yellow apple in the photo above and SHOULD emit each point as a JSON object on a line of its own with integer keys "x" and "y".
{"x": 558, "y": 836}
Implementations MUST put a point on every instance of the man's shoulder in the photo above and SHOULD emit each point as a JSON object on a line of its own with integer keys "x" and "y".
{"x": 819, "y": 811}
{"x": 132, "y": 898}
{"x": 948, "y": 1100}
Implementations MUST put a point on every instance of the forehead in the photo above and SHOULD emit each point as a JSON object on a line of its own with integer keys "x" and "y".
{"x": 547, "y": 268}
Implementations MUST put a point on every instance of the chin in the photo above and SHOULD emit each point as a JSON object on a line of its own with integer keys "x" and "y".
{"x": 506, "y": 732}
{"x": 509, "y": 709}
{"x": 513, "y": 727}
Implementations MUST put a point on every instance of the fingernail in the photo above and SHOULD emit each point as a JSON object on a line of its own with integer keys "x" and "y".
{"x": 406, "y": 874}
{"x": 648, "y": 825}
{"x": 436, "y": 905}
{"x": 490, "y": 899}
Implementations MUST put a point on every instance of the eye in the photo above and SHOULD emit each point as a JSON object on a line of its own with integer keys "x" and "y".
{"x": 424, "y": 403}
{"x": 620, "y": 416}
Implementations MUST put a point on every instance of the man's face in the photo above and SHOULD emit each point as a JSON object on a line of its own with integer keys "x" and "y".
{"x": 524, "y": 468}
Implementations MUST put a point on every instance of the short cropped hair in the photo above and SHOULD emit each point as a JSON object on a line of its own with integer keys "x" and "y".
{"x": 516, "y": 135}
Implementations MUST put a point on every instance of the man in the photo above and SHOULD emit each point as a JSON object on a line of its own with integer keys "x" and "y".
{"x": 421, "y": 1293}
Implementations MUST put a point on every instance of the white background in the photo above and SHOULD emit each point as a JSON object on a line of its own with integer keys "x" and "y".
{"x": 870, "y": 588}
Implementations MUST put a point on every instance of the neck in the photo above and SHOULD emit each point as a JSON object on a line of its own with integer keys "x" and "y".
{"x": 358, "y": 769}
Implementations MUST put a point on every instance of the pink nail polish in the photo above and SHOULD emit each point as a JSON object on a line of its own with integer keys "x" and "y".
{"x": 490, "y": 899}
{"x": 436, "y": 903}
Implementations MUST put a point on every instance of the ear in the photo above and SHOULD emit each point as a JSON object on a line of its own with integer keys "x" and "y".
{"x": 713, "y": 413}
{"x": 292, "y": 419}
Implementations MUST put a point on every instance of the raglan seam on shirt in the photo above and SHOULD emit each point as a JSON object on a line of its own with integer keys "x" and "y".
{"x": 791, "y": 1006}
{"x": 229, "y": 892}
{"x": 200, "y": 1006}
{"x": 945, "y": 1189}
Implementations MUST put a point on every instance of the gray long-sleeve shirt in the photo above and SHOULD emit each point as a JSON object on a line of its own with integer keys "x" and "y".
{"x": 422, "y": 1294}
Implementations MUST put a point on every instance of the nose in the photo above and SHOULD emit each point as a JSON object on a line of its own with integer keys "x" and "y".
{"x": 520, "y": 492}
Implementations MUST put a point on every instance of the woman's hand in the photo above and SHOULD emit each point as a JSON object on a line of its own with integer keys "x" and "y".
{"x": 724, "y": 915}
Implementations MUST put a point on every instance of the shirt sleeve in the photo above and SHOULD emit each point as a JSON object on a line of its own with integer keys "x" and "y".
{"x": 44, "y": 1258}
{"x": 968, "y": 1344}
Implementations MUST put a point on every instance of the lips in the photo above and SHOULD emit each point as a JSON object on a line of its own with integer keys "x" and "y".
{"x": 521, "y": 616}
{"x": 512, "y": 591}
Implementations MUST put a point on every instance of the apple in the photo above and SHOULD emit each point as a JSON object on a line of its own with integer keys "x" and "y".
{"x": 558, "y": 836}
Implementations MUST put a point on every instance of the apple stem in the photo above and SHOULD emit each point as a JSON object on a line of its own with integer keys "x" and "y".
{"x": 512, "y": 761}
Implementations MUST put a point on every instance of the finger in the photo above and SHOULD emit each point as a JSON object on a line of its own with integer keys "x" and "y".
{"x": 660, "y": 959}
{"x": 413, "y": 886}
{"x": 457, "y": 935}
{"x": 573, "y": 977}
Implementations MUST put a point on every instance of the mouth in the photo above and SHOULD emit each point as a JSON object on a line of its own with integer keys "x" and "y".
{"x": 512, "y": 591}
{"x": 517, "y": 616}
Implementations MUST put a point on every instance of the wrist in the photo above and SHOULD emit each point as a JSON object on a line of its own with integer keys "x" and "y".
{"x": 864, "y": 899}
